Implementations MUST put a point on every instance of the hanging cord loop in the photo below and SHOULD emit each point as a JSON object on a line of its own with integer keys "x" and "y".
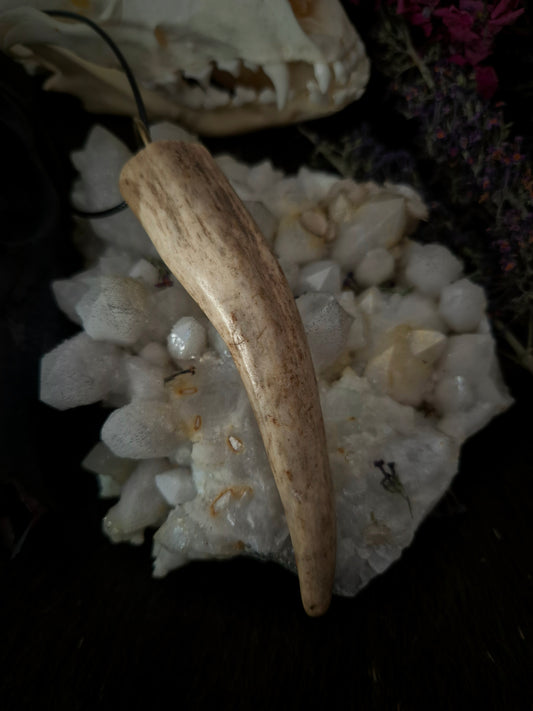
{"x": 141, "y": 121}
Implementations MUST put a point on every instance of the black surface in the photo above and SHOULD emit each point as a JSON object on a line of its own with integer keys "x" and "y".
{"x": 83, "y": 625}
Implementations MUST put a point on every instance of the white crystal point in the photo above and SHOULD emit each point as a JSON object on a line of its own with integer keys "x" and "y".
{"x": 431, "y": 267}
{"x": 176, "y": 485}
{"x": 324, "y": 275}
{"x": 292, "y": 274}
{"x": 357, "y": 335}
{"x": 125, "y": 231}
{"x": 182, "y": 454}
{"x": 462, "y": 305}
{"x": 469, "y": 391}
{"x": 114, "y": 309}
{"x": 427, "y": 345}
{"x": 419, "y": 311}
{"x": 315, "y": 221}
{"x": 375, "y": 267}
{"x": 294, "y": 243}
{"x": 461, "y": 425}
{"x": 364, "y": 426}
{"x": 344, "y": 198}
{"x": 167, "y": 304}
{"x": 156, "y": 354}
{"x": 327, "y": 326}
{"x": 165, "y": 560}
{"x": 474, "y": 356}
{"x": 108, "y": 488}
{"x": 101, "y": 460}
{"x": 397, "y": 371}
{"x": 380, "y": 223}
{"x": 263, "y": 218}
{"x": 278, "y": 74}
{"x": 371, "y": 301}
{"x": 111, "y": 471}
{"x": 187, "y": 339}
{"x": 471, "y": 355}
{"x": 99, "y": 163}
{"x": 140, "y": 505}
{"x": 67, "y": 293}
{"x": 453, "y": 394}
{"x": 145, "y": 271}
{"x": 141, "y": 430}
{"x": 260, "y": 178}
{"x": 113, "y": 262}
{"x": 79, "y": 371}
{"x": 145, "y": 381}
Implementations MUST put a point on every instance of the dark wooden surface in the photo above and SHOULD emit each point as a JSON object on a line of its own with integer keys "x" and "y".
{"x": 83, "y": 625}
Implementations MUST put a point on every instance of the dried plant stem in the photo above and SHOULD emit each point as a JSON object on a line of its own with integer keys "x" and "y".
{"x": 524, "y": 356}
{"x": 326, "y": 152}
{"x": 416, "y": 59}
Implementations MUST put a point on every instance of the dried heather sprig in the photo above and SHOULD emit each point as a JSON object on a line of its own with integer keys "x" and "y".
{"x": 481, "y": 182}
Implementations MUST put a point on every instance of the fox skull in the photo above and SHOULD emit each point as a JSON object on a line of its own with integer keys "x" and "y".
{"x": 217, "y": 68}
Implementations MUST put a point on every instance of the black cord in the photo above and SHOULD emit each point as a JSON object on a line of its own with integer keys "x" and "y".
{"x": 141, "y": 109}
{"x": 90, "y": 215}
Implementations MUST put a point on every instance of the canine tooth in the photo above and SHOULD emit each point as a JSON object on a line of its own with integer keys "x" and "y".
{"x": 232, "y": 66}
{"x": 340, "y": 72}
{"x": 323, "y": 76}
{"x": 252, "y": 66}
{"x": 279, "y": 76}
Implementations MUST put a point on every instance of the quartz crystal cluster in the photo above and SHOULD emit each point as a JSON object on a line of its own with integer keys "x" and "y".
{"x": 401, "y": 345}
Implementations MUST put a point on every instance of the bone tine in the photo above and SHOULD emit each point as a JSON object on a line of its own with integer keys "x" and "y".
{"x": 208, "y": 240}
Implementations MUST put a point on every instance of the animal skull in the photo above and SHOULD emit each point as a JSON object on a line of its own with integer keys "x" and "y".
{"x": 216, "y": 67}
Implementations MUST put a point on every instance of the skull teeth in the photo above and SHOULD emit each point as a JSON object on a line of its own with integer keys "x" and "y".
{"x": 267, "y": 96}
{"x": 323, "y": 76}
{"x": 243, "y": 95}
{"x": 334, "y": 76}
{"x": 339, "y": 70}
{"x": 279, "y": 76}
{"x": 215, "y": 98}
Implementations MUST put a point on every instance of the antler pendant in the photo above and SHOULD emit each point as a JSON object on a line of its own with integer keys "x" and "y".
{"x": 208, "y": 240}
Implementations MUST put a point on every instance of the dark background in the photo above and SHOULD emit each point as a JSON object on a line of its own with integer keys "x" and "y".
{"x": 82, "y": 623}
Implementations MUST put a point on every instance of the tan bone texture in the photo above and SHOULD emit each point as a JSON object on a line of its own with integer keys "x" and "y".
{"x": 208, "y": 240}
